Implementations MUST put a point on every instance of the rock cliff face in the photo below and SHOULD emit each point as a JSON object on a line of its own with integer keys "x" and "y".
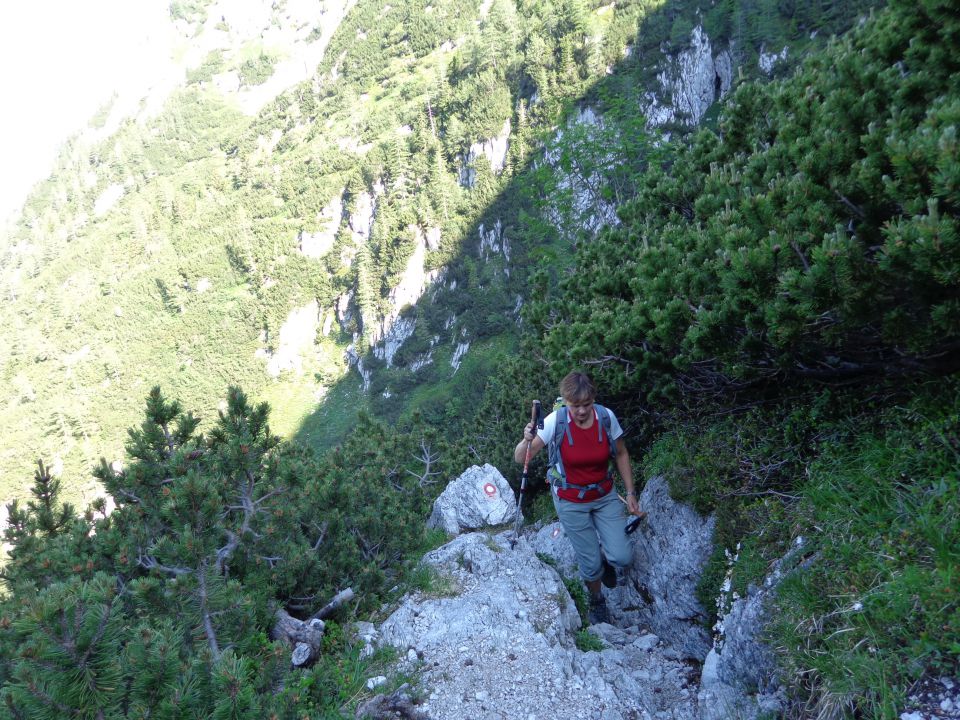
{"x": 689, "y": 83}
{"x": 493, "y": 149}
{"x": 295, "y": 341}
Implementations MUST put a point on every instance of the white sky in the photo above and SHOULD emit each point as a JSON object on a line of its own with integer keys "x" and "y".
{"x": 60, "y": 60}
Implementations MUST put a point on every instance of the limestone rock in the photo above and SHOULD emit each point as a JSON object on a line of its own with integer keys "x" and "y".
{"x": 739, "y": 674}
{"x": 551, "y": 541}
{"x": 689, "y": 83}
{"x": 296, "y": 339}
{"x": 392, "y": 330}
{"x": 767, "y": 61}
{"x": 502, "y": 644}
{"x": 107, "y": 199}
{"x": 671, "y": 548}
{"x": 458, "y": 354}
{"x": 317, "y": 244}
{"x": 393, "y": 339}
{"x": 480, "y": 497}
{"x": 493, "y": 149}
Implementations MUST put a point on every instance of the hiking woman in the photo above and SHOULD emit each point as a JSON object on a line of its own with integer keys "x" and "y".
{"x": 582, "y": 439}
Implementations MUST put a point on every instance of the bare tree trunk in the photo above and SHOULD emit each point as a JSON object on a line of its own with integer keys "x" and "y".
{"x": 339, "y": 600}
{"x": 306, "y": 635}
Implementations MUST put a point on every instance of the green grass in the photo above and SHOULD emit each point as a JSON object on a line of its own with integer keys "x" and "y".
{"x": 880, "y": 605}
{"x": 432, "y": 583}
{"x": 336, "y": 417}
{"x": 578, "y": 591}
{"x": 588, "y": 642}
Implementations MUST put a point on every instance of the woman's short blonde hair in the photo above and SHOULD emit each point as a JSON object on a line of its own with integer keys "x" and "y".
{"x": 578, "y": 388}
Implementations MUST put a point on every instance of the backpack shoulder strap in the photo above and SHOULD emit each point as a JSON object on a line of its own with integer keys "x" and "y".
{"x": 561, "y": 427}
{"x": 606, "y": 423}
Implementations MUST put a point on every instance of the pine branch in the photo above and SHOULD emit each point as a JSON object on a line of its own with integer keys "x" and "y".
{"x": 150, "y": 563}
{"x": 205, "y": 611}
{"x": 803, "y": 259}
{"x": 97, "y": 636}
{"x": 338, "y": 601}
{"x": 249, "y": 507}
{"x": 855, "y": 209}
{"x": 427, "y": 457}
{"x": 34, "y": 690}
{"x": 130, "y": 496}
{"x": 272, "y": 493}
{"x": 322, "y": 536}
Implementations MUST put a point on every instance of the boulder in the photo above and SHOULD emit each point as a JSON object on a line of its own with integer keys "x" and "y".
{"x": 739, "y": 675}
{"x": 552, "y": 542}
{"x": 671, "y": 548}
{"x": 480, "y": 497}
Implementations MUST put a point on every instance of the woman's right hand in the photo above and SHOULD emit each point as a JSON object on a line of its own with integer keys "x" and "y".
{"x": 528, "y": 433}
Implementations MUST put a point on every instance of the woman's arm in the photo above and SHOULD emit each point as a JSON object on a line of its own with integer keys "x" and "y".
{"x": 536, "y": 444}
{"x": 626, "y": 472}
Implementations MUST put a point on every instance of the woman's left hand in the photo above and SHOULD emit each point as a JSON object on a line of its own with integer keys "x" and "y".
{"x": 633, "y": 507}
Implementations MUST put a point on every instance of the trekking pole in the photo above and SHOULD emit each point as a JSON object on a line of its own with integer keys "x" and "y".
{"x": 634, "y": 522}
{"x": 536, "y": 421}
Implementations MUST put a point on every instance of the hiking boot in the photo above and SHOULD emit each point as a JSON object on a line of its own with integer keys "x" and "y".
{"x": 609, "y": 577}
{"x": 598, "y": 610}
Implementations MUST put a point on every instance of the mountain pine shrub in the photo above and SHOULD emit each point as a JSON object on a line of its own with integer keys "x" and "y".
{"x": 812, "y": 237}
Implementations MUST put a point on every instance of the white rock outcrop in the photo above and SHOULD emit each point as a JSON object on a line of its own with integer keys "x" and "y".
{"x": 317, "y": 244}
{"x": 297, "y": 336}
{"x": 398, "y": 333}
{"x": 689, "y": 83}
{"x": 458, "y": 354}
{"x": 480, "y": 497}
{"x": 767, "y": 61}
{"x": 493, "y": 149}
{"x": 493, "y": 242}
{"x": 391, "y": 331}
{"x": 500, "y": 643}
{"x": 107, "y": 199}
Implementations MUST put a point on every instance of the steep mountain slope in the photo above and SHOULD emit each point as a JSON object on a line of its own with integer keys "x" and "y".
{"x": 225, "y": 233}
{"x": 752, "y": 373}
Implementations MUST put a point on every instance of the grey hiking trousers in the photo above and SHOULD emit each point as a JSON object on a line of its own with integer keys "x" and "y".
{"x": 591, "y": 525}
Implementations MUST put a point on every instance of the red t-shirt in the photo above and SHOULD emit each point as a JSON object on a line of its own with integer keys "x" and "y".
{"x": 585, "y": 462}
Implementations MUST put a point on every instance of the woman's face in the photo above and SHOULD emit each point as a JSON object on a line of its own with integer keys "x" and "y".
{"x": 581, "y": 411}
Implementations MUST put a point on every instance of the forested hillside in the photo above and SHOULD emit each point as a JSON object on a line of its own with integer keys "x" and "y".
{"x": 197, "y": 245}
{"x": 772, "y": 309}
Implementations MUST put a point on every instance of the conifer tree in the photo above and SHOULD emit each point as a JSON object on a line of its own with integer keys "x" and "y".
{"x": 69, "y": 657}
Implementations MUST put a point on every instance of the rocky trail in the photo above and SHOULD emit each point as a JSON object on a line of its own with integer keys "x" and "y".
{"x": 503, "y": 645}
{"x": 499, "y": 636}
